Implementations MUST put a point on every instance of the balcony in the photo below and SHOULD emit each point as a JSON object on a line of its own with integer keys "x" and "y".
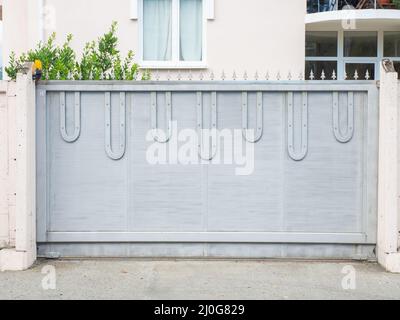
{"x": 315, "y": 6}
{"x": 352, "y": 14}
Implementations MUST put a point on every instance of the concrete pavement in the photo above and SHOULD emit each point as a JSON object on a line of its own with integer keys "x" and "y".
{"x": 190, "y": 279}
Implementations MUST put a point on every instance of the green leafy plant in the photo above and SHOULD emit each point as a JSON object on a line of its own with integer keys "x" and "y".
{"x": 397, "y": 3}
{"x": 100, "y": 60}
{"x": 15, "y": 65}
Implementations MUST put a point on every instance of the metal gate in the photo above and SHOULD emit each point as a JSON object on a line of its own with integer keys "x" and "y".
{"x": 313, "y": 191}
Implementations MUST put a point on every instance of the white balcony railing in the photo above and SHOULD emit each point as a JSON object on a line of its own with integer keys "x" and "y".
{"x": 314, "y": 6}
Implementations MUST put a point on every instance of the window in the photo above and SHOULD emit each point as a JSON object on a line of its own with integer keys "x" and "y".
{"x": 360, "y": 44}
{"x": 392, "y": 44}
{"x": 320, "y": 69}
{"x": 321, "y": 55}
{"x": 361, "y": 55}
{"x": 360, "y": 71}
{"x": 172, "y": 33}
{"x": 323, "y": 44}
{"x": 346, "y": 55}
{"x": 391, "y": 48}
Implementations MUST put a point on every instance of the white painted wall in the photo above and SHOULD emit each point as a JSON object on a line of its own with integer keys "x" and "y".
{"x": 245, "y": 35}
{"x": 389, "y": 169}
{"x": 7, "y": 163}
{"x": 17, "y": 173}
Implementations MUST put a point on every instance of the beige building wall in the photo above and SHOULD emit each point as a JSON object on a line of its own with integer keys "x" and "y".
{"x": 255, "y": 35}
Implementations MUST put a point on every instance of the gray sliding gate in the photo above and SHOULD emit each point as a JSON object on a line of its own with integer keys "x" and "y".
{"x": 312, "y": 192}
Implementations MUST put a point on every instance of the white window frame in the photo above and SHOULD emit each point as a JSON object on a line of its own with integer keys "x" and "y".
{"x": 342, "y": 60}
{"x": 175, "y": 63}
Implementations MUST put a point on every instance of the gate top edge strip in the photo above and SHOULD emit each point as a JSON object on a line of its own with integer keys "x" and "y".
{"x": 93, "y": 86}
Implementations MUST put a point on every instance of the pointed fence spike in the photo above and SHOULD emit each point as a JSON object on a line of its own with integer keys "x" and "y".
{"x": 289, "y": 76}
{"x": 333, "y": 75}
{"x": 312, "y": 77}
{"x": 323, "y": 77}
{"x": 245, "y": 76}
{"x": 256, "y": 76}
{"x": 367, "y": 76}
{"x": 212, "y": 76}
{"x": 190, "y": 76}
{"x": 234, "y": 76}
{"x": 267, "y": 76}
{"x": 201, "y": 76}
{"x": 223, "y": 75}
{"x": 356, "y": 75}
{"x": 278, "y": 76}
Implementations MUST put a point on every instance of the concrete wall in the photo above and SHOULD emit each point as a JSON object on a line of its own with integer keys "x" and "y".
{"x": 389, "y": 172}
{"x": 245, "y": 35}
{"x": 7, "y": 163}
{"x": 17, "y": 173}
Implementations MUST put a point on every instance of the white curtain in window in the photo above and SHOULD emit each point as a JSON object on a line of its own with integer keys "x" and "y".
{"x": 157, "y": 30}
{"x": 191, "y": 30}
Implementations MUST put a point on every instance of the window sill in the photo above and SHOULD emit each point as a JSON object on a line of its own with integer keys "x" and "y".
{"x": 173, "y": 66}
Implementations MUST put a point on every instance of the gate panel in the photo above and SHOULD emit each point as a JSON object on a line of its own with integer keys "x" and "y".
{"x": 162, "y": 197}
{"x": 314, "y": 179}
{"x": 257, "y": 205}
{"x": 87, "y": 190}
{"x": 322, "y": 193}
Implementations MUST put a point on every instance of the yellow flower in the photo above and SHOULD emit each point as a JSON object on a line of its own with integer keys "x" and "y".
{"x": 38, "y": 65}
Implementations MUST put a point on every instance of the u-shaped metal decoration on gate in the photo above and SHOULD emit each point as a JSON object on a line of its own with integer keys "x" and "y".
{"x": 350, "y": 118}
{"x": 245, "y": 118}
{"x": 297, "y": 156}
{"x": 77, "y": 118}
{"x": 154, "y": 122}
{"x": 213, "y": 126}
{"x": 122, "y": 126}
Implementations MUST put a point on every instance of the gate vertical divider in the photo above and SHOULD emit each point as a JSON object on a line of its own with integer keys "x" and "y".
{"x": 42, "y": 163}
{"x": 371, "y": 145}
{"x": 213, "y": 129}
{"x": 130, "y": 205}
